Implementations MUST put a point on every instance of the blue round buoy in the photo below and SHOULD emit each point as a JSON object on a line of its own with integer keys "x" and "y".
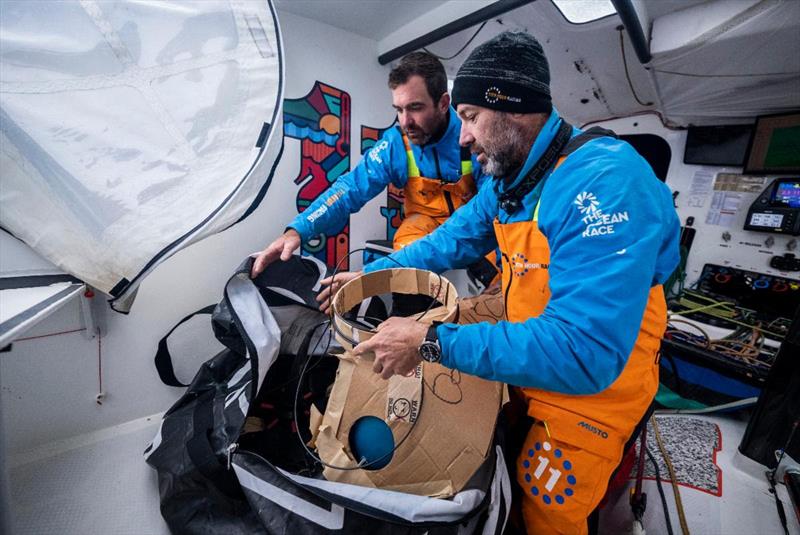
{"x": 371, "y": 439}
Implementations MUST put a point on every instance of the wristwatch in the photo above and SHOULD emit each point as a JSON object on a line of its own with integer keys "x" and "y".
{"x": 430, "y": 350}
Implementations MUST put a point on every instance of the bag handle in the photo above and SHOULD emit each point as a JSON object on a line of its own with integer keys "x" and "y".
{"x": 163, "y": 358}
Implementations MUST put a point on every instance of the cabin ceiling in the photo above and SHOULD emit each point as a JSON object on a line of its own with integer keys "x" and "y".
{"x": 714, "y": 61}
{"x": 374, "y": 19}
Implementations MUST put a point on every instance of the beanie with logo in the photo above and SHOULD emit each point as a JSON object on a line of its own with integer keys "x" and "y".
{"x": 507, "y": 73}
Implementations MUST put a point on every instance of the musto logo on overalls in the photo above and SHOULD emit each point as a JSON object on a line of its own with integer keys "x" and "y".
{"x": 549, "y": 474}
{"x": 520, "y": 265}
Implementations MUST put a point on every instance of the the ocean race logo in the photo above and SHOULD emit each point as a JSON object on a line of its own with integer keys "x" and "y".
{"x": 597, "y": 222}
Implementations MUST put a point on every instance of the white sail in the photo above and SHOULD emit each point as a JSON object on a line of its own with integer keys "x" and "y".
{"x": 133, "y": 129}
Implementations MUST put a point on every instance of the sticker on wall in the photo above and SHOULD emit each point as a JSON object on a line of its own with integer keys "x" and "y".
{"x": 702, "y": 182}
{"x": 393, "y": 211}
{"x": 321, "y": 121}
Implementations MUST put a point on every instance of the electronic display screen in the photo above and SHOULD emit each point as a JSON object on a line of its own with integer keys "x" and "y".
{"x": 717, "y": 145}
{"x": 788, "y": 193}
{"x": 775, "y": 147}
{"x": 766, "y": 220}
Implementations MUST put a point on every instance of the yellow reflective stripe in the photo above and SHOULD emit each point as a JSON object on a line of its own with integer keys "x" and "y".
{"x": 536, "y": 211}
{"x": 466, "y": 167}
{"x": 413, "y": 170}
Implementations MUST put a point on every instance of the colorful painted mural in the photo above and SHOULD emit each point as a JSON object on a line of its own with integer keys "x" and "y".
{"x": 393, "y": 211}
{"x": 321, "y": 121}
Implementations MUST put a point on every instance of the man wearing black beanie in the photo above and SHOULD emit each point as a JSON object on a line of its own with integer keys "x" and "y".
{"x": 588, "y": 234}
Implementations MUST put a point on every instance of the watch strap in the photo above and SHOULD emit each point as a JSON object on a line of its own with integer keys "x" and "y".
{"x": 432, "y": 335}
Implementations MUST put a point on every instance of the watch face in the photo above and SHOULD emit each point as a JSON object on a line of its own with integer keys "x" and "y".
{"x": 430, "y": 352}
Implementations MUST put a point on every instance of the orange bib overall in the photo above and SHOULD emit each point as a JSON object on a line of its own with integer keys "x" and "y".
{"x": 576, "y": 441}
{"x": 430, "y": 201}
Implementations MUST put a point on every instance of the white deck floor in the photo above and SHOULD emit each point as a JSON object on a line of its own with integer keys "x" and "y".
{"x": 745, "y": 506}
{"x": 100, "y": 484}
{"x": 93, "y": 484}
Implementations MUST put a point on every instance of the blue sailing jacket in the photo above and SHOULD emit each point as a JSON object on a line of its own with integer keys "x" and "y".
{"x": 385, "y": 163}
{"x": 600, "y": 271}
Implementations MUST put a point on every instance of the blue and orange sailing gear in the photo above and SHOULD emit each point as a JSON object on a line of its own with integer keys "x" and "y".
{"x": 583, "y": 261}
{"x": 393, "y": 160}
{"x": 428, "y": 202}
{"x": 575, "y": 438}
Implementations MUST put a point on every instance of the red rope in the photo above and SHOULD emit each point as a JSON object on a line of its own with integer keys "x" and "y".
{"x": 99, "y": 362}
{"x": 99, "y": 351}
{"x": 47, "y": 335}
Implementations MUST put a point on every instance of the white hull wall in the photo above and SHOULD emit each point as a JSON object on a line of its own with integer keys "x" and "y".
{"x": 744, "y": 249}
{"x": 49, "y": 385}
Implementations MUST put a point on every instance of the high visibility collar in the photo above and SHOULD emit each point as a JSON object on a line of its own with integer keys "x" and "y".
{"x": 453, "y": 129}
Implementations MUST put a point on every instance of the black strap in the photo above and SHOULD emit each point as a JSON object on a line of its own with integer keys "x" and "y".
{"x": 163, "y": 359}
{"x": 511, "y": 200}
{"x": 562, "y": 145}
{"x": 584, "y": 137}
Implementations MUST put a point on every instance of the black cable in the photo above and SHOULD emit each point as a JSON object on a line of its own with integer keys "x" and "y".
{"x": 660, "y": 490}
{"x": 455, "y": 379}
{"x": 435, "y": 299}
{"x": 361, "y": 464}
{"x": 625, "y": 64}
{"x": 778, "y": 505}
{"x": 727, "y": 75}
{"x": 771, "y": 479}
{"x": 299, "y": 377}
{"x": 330, "y": 297}
{"x": 638, "y": 499}
{"x": 333, "y": 280}
{"x": 462, "y": 48}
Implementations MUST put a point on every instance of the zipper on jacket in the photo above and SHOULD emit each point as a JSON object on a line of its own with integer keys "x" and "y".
{"x": 508, "y": 288}
{"x": 448, "y": 198}
{"x": 436, "y": 163}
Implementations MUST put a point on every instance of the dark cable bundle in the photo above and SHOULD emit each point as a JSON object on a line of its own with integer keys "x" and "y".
{"x": 306, "y": 356}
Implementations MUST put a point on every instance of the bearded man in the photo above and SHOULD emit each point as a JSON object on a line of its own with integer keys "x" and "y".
{"x": 421, "y": 155}
{"x": 588, "y": 234}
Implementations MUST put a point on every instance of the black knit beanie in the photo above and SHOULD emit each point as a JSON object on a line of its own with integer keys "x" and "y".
{"x": 507, "y": 73}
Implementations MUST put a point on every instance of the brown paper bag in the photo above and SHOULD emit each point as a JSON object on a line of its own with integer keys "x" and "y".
{"x": 451, "y": 437}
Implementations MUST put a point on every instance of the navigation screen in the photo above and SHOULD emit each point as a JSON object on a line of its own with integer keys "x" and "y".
{"x": 766, "y": 220}
{"x": 788, "y": 193}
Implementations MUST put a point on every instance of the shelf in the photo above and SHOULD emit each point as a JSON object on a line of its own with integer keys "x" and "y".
{"x": 22, "y": 308}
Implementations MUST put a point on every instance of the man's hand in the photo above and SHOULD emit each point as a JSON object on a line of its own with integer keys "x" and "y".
{"x": 396, "y": 346}
{"x": 331, "y": 287}
{"x": 282, "y": 248}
